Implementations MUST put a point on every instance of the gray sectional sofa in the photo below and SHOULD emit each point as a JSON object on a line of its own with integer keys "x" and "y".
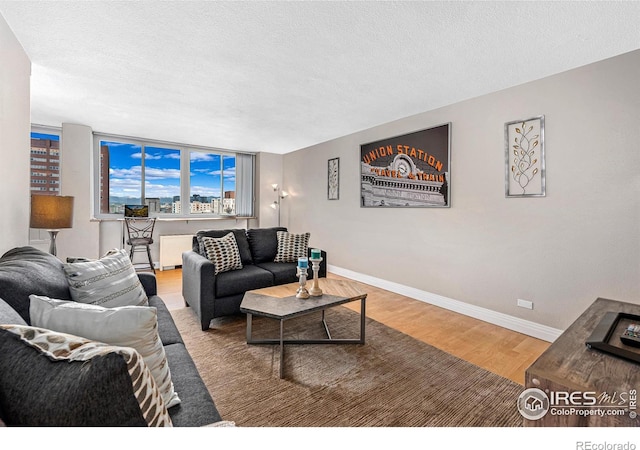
{"x": 25, "y": 271}
{"x": 213, "y": 296}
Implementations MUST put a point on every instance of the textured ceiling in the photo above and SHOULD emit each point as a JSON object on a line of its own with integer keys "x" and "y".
{"x": 279, "y": 76}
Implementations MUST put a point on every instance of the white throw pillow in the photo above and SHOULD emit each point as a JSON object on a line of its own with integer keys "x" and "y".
{"x": 124, "y": 326}
{"x": 109, "y": 281}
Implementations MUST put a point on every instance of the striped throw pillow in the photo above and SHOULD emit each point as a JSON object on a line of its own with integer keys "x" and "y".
{"x": 223, "y": 253}
{"x": 109, "y": 281}
{"x": 291, "y": 246}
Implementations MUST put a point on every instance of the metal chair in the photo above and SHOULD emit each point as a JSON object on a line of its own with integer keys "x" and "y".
{"x": 140, "y": 237}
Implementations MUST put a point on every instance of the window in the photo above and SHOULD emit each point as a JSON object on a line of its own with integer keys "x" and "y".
{"x": 212, "y": 183}
{"x": 120, "y": 176}
{"x": 161, "y": 179}
{"x": 171, "y": 179}
{"x": 45, "y": 169}
{"x": 45, "y": 150}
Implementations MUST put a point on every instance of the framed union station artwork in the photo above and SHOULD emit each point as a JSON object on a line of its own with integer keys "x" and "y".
{"x": 408, "y": 171}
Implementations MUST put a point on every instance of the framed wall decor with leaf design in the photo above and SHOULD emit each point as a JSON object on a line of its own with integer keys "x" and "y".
{"x": 524, "y": 154}
{"x": 333, "y": 179}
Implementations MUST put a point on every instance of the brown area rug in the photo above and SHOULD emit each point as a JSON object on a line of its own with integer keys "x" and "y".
{"x": 393, "y": 380}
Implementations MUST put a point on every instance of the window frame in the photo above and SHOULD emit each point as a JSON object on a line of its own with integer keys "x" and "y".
{"x": 185, "y": 178}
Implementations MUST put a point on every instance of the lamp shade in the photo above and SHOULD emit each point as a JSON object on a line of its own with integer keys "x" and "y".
{"x": 51, "y": 212}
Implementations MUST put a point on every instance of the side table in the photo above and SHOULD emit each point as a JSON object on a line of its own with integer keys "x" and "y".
{"x": 586, "y": 387}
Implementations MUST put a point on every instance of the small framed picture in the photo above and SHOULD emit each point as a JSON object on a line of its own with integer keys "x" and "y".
{"x": 333, "y": 179}
{"x": 524, "y": 158}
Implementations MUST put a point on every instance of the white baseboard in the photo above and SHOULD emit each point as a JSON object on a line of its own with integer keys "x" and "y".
{"x": 523, "y": 326}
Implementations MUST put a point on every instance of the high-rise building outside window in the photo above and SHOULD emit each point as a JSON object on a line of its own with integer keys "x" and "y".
{"x": 44, "y": 178}
{"x": 45, "y": 162}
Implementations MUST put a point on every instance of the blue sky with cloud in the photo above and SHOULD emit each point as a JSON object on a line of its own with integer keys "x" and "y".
{"x": 162, "y": 171}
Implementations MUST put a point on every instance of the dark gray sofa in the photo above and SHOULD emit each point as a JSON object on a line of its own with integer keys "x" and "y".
{"x": 26, "y": 270}
{"x": 213, "y": 296}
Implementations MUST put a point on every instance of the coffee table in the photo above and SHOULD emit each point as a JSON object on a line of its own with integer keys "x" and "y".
{"x": 280, "y": 303}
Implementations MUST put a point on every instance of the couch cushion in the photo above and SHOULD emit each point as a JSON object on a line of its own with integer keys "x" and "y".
{"x": 264, "y": 243}
{"x": 55, "y": 379}
{"x": 126, "y": 326}
{"x": 283, "y": 273}
{"x": 109, "y": 281}
{"x": 197, "y": 407}
{"x": 222, "y": 252}
{"x": 241, "y": 240}
{"x": 291, "y": 246}
{"x": 27, "y": 270}
{"x": 8, "y": 315}
{"x": 239, "y": 281}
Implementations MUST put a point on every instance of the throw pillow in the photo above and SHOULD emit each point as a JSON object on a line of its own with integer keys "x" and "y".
{"x": 110, "y": 281}
{"x": 125, "y": 326}
{"x": 223, "y": 253}
{"x": 27, "y": 270}
{"x": 56, "y": 379}
{"x": 263, "y": 243}
{"x": 241, "y": 240}
{"x": 291, "y": 246}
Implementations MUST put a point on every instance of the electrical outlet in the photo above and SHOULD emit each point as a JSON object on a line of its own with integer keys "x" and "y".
{"x": 525, "y": 304}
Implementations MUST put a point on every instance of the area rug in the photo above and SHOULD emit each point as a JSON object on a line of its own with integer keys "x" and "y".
{"x": 393, "y": 380}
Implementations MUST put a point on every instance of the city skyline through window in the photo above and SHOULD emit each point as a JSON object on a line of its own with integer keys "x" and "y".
{"x": 132, "y": 173}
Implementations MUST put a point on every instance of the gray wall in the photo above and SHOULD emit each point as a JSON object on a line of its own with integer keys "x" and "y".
{"x": 561, "y": 252}
{"x": 15, "y": 126}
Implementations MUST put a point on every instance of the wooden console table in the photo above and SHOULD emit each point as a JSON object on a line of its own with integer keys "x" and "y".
{"x": 569, "y": 366}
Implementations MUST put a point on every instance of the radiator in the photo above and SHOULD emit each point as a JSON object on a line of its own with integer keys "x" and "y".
{"x": 171, "y": 248}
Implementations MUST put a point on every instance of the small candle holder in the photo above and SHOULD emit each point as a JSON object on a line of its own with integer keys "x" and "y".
{"x": 315, "y": 288}
{"x": 302, "y": 291}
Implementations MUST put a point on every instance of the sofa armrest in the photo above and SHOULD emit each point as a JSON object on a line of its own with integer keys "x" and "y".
{"x": 322, "y": 273}
{"x": 198, "y": 285}
{"x": 149, "y": 283}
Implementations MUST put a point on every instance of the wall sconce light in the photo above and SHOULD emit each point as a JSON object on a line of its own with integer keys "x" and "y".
{"x": 51, "y": 212}
{"x": 281, "y": 195}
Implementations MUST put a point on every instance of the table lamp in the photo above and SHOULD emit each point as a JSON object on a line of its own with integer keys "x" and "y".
{"x": 51, "y": 212}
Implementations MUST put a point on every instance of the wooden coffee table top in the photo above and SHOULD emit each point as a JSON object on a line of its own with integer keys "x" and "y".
{"x": 280, "y": 302}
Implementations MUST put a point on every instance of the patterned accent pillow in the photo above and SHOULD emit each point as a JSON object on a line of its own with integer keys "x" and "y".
{"x": 124, "y": 326}
{"x": 223, "y": 252}
{"x": 110, "y": 281}
{"x": 91, "y": 364}
{"x": 291, "y": 246}
{"x": 241, "y": 240}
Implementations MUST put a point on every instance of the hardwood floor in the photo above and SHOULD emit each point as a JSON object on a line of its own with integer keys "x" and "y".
{"x": 504, "y": 352}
